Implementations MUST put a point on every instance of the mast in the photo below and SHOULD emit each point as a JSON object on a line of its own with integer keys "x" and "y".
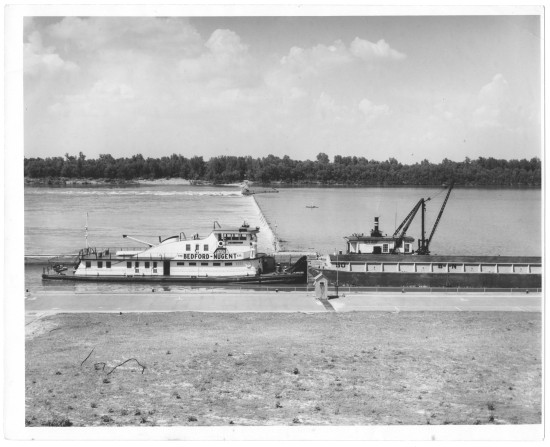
{"x": 86, "y": 231}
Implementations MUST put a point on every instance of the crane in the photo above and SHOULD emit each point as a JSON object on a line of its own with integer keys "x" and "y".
{"x": 424, "y": 245}
{"x": 405, "y": 224}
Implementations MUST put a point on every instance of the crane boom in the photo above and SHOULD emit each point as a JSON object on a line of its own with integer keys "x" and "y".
{"x": 137, "y": 240}
{"x": 425, "y": 248}
{"x": 408, "y": 219}
{"x": 405, "y": 225}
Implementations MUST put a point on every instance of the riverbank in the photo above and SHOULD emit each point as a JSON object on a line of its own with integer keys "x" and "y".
{"x": 72, "y": 182}
{"x": 220, "y": 369}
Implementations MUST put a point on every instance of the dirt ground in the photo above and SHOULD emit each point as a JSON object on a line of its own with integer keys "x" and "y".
{"x": 357, "y": 368}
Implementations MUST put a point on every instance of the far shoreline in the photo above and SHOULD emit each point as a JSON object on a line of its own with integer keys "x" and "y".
{"x": 61, "y": 182}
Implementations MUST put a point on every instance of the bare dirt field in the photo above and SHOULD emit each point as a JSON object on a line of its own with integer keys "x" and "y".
{"x": 357, "y": 368}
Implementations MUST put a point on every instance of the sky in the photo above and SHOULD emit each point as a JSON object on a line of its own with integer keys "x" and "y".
{"x": 407, "y": 87}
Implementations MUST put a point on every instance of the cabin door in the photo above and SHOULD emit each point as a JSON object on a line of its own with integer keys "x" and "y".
{"x": 166, "y": 268}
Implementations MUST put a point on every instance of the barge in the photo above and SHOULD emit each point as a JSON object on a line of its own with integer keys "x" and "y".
{"x": 430, "y": 271}
{"x": 227, "y": 255}
{"x": 379, "y": 260}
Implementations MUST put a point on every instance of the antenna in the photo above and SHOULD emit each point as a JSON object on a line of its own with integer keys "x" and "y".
{"x": 86, "y": 230}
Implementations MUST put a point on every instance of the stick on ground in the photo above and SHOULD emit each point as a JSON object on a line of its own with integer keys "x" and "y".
{"x": 142, "y": 370}
{"x": 87, "y": 357}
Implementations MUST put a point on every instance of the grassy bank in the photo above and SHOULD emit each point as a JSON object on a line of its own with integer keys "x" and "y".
{"x": 284, "y": 369}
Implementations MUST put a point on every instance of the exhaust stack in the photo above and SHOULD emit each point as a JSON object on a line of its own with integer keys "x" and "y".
{"x": 376, "y": 232}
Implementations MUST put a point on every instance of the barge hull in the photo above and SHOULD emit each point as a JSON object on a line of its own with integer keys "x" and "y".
{"x": 396, "y": 279}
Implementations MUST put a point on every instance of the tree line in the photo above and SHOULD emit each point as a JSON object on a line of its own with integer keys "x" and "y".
{"x": 271, "y": 169}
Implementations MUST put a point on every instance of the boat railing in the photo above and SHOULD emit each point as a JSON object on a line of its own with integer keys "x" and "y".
{"x": 111, "y": 253}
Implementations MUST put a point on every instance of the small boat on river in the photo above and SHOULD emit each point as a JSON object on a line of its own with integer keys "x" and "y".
{"x": 228, "y": 254}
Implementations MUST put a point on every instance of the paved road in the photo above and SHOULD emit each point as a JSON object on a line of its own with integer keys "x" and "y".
{"x": 517, "y": 302}
{"x": 47, "y": 302}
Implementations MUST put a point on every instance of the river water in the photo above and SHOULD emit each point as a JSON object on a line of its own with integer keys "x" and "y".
{"x": 475, "y": 221}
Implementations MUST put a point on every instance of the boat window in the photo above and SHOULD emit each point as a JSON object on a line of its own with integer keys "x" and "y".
{"x": 129, "y": 265}
{"x": 217, "y": 264}
{"x": 181, "y": 263}
{"x": 88, "y": 264}
{"x": 147, "y": 264}
{"x": 108, "y": 264}
{"x": 154, "y": 264}
{"x": 187, "y": 247}
{"x": 204, "y": 263}
{"x": 385, "y": 248}
{"x": 206, "y": 247}
{"x": 99, "y": 264}
{"x": 192, "y": 263}
{"x": 137, "y": 264}
{"x": 228, "y": 263}
{"x": 197, "y": 247}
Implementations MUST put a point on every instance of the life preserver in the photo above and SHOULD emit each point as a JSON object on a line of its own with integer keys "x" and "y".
{"x": 220, "y": 244}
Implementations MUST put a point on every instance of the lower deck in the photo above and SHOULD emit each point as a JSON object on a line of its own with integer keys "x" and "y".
{"x": 167, "y": 268}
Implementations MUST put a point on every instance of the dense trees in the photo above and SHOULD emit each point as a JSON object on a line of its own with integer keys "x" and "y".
{"x": 343, "y": 170}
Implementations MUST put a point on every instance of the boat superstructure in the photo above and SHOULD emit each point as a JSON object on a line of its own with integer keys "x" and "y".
{"x": 378, "y": 243}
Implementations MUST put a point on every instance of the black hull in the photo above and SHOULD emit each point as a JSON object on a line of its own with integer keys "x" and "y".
{"x": 290, "y": 278}
{"x": 462, "y": 280}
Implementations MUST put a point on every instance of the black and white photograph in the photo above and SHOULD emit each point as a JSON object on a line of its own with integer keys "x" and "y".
{"x": 292, "y": 222}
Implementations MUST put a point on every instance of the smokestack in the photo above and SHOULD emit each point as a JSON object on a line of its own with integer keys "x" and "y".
{"x": 376, "y": 231}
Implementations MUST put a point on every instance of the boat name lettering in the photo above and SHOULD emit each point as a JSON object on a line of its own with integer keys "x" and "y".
{"x": 207, "y": 256}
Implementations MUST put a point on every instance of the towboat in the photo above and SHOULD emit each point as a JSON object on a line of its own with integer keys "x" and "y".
{"x": 228, "y": 254}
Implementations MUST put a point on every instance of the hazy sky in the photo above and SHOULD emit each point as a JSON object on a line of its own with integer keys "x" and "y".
{"x": 379, "y": 87}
